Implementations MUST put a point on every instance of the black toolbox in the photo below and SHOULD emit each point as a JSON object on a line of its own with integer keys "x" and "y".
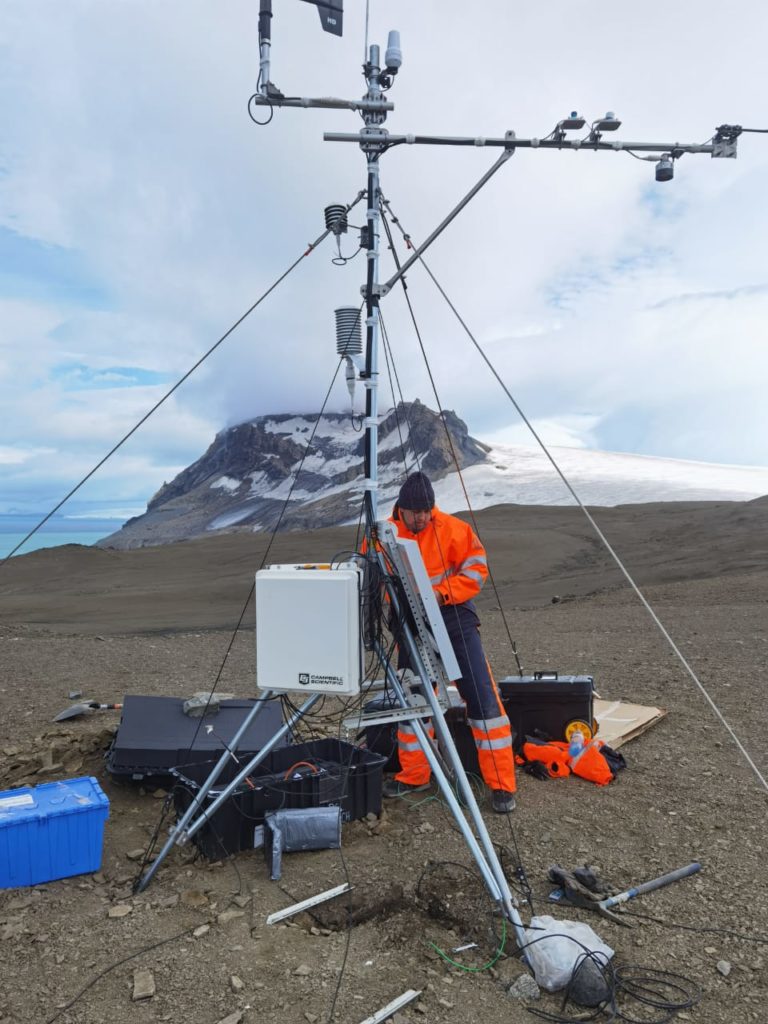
{"x": 544, "y": 704}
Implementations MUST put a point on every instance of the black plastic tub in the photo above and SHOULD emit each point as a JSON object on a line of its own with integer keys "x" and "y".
{"x": 320, "y": 773}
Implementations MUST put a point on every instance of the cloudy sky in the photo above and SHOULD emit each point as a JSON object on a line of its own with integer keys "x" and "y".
{"x": 142, "y": 212}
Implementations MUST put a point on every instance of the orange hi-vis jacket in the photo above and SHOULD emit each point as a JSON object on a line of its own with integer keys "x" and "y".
{"x": 590, "y": 764}
{"x": 453, "y": 556}
{"x": 457, "y": 568}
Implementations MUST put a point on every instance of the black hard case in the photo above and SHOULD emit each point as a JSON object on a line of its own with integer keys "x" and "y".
{"x": 543, "y": 704}
{"x": 155, "y": 736}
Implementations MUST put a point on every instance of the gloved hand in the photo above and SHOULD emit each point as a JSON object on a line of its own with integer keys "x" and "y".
{"x": 537, "y": 769}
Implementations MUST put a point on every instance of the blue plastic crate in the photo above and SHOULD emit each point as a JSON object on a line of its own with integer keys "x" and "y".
{"x": 51, "y": 831}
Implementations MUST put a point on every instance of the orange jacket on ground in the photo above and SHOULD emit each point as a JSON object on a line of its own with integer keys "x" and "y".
{"x": 590, "y": 764}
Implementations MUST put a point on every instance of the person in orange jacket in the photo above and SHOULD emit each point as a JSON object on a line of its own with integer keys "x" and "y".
{"x": 457, "y": 567}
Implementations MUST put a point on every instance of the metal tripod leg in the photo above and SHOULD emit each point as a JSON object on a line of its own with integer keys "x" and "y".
{"x": 178, "y": 830}
{"x": 480, "y": 846}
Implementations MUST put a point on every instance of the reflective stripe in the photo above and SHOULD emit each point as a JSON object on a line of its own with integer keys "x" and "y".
{"x": 404, "y": 729}
{"x": 499, "y": 744}
{"x": 408, "y": 744}
{"x": 476, "y": 577}
{"x": 481, "y": 724}
{"x": 473, "y": 560}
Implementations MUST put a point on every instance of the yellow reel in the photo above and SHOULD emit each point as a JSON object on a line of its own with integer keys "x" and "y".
{"x": 578, "y": 725}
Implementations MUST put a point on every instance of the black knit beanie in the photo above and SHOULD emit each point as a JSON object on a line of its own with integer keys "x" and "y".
{"x": 416, "y": 494}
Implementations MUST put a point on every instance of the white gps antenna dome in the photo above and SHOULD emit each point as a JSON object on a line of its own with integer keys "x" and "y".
{"x": 393, "y": 56}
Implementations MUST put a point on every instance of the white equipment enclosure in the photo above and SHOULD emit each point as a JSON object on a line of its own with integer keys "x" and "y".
{"x": 308, "y": 628}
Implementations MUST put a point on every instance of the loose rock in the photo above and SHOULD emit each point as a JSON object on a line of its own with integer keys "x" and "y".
{"x": 121, "y": 910}
{"x": 143, "y": 985}
{"x": 233, "y": 1018}
{"x": 524, "y": 989}
{"x": 194, "y": 898}
{"x": 229, "y": 915}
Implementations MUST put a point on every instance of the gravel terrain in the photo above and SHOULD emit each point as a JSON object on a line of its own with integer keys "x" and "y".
{"x": 194, "y": 947}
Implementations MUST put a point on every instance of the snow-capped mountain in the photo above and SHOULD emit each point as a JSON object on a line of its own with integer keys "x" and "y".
{"x": 266, "y": 470}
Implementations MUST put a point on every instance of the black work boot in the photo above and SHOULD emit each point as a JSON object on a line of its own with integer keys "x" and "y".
{"x": 503, "y": 802}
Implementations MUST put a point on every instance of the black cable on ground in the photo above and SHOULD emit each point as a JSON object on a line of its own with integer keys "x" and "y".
{"x": 118, "y": 963}
{"x": 665, "y": 991}
{"x": 697, "y": 929}
{"x": 161, "y": 942}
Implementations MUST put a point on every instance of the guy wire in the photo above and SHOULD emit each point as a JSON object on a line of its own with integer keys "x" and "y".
{"x": 387, "y": 228}
{"x": 268, "y": 548}
{"x": 310, "y": 248}
{"x": 603, "y": 539}
{"x": 472, "y": 680}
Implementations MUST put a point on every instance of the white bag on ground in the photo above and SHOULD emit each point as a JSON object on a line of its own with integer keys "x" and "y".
{"x": 558, "y": 946}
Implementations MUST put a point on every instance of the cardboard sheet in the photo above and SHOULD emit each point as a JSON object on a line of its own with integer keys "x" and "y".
{"x": 621, "y": 721}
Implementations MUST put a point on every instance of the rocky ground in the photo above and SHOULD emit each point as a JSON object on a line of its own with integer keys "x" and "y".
{"x": 195, "y": 945}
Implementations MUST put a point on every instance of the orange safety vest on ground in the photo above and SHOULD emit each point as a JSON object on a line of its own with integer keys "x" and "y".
{"x": 456, "y": 564}
{"x": 590, "y": 764}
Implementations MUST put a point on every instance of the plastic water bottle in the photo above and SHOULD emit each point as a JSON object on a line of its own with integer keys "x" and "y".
{"x": 576, "y": 743}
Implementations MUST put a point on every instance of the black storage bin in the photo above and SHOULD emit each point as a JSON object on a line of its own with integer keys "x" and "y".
{"x": 319, "y": 773}
{"x": 155, "y": 735}
{"x": 543, "y": 704}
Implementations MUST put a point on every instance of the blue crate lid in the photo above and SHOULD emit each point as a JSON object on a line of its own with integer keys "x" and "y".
{"x": 70, "y": 796}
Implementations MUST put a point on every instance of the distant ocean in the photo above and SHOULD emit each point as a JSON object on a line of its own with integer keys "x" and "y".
{"x": 58, "y": 530}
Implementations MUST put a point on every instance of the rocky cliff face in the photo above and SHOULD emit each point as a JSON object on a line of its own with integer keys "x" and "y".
{"x": 309, "y": 472}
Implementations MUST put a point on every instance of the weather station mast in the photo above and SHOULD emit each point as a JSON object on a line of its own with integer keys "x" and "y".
{"x": 420, "y": 695}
